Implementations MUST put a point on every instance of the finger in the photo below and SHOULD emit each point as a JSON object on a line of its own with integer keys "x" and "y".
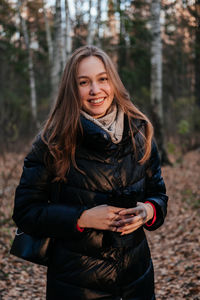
{"x": 134, "y": 211}
{"x": 133, "y": 220}
{"x": 118, "y": 218}
{"x": 141, "y": 211}
{"x": 131, "y": 226}
{"x": 113, "y": 228}
{"x": 142, "y": 214}
{"x": 115, "y": 224}
{"x": 123, "y": 222}
{"x": 140, "y": 207}
{"x": 137, "y": 222}
{"x": 129, "y": 229}
{"x": 111, "y": 217}
{"x": 127, "y": 211}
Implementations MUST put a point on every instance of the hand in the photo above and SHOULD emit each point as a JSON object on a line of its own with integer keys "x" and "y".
{"x": 102, "y": 217}
{"x": 133, "y": 218}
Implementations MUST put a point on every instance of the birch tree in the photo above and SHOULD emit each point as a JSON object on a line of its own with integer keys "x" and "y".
{"x": 197, "y": 53}
{"x": 112, "y": 22}
{"x": 156, "y": 78}
{"x": 33, "y": 99}
{"x": 57, "y": 44}
{"x": 63, "y": 41}
{"x": 98, "y": 22}
{"x": 78, "y": 5}
{"x": 123, "y": 49}
{"x": 90, "y": 29}
{"x": 68, "y": 37}
{"x": 48, "y": 33}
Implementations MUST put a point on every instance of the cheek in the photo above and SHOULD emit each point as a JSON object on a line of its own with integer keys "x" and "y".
{"x": 111, "y": 92}
{"x": 83, "y": 93}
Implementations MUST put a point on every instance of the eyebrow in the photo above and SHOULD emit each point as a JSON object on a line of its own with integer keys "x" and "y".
{"x": 84, "y": 76}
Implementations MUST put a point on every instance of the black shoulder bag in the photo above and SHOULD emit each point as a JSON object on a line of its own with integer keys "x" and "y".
{"x": 32, "y": 248}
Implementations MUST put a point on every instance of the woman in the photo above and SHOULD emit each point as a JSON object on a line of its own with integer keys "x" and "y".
{"x": 92, "y": 182}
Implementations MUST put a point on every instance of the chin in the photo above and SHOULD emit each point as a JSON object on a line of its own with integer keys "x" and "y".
{"x": 95, "y": 114}
{"x": 99, "y": 115}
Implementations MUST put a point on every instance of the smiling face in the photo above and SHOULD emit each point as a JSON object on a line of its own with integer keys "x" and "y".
{"x": 94, "y": 87}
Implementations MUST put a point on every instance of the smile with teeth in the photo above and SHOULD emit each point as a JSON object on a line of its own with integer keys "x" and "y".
{"x": 95, "y": 101}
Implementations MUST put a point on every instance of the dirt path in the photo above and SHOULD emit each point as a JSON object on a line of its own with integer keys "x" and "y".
{"x": 175, "y": 246}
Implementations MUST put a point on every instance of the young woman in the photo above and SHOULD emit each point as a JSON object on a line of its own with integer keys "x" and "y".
{"x": 98, "y": 148}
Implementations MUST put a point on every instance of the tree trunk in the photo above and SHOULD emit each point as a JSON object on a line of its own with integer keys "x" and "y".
{"x": 90, "y": 29}
{"x": 197, "y": 54}
{"x": 63, "y": 42}
{"x": 156, "y": 79}
{"x": 112, "y": 23}
{"x": 57, "y": 56}
{"x": 48, "y": 34}
{"x": 68, "y": 38}
{"x": 30, "y": 65}
{"x": 98, "y": 23}
{"x": 77, "y": 41}
{"x": 122, "y": 49}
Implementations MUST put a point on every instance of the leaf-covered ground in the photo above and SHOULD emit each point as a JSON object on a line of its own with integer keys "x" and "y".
{"x": 175, "y": 246}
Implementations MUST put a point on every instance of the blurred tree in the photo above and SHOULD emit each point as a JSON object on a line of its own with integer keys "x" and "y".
{"x": 30, "y": 64}
{"x": 134, "y": 50}
{"x": 179, "y": 64}
{"x": 156, "y": 78}
{"x": 197, "y": 52}
{"x": 122, "y": 28}
{"x": 68, "y": 39}
{"x": 13, "y": 61}
{"x": 90, "y": 25}
{"x": 57, "y": 52}
{"x": 122, "y": 49}
{"x": 48, "y": 33}
{"x": 63, "y": 40}
{"x": 80, "y": 29}
{"x": 36, "y": 25}
{"x": 98, "y": 23}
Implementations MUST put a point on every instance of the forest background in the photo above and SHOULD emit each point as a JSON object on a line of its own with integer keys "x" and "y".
{"x": 156, "y": 48}
{"x": 36, "y": 38}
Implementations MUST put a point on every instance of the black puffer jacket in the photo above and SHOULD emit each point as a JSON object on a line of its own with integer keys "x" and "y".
{"x": 92, "y": 264}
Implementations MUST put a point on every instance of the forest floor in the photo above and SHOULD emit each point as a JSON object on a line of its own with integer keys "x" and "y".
{"x": 175, "y": 247}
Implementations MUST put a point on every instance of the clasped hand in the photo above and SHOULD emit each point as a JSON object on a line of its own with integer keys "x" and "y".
{"x": 122, "y": 220}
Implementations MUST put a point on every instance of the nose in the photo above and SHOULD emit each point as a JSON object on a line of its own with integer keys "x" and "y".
{"x": 94, "y": 88}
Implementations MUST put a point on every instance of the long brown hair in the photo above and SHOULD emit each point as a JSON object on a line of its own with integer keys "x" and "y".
{"x": 63, "y": 125}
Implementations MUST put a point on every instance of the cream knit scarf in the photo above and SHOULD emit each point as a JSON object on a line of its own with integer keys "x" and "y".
{"x": 112, "y": 122}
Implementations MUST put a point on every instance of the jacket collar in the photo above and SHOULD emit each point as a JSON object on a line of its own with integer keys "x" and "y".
{"x": 92, "y": 133}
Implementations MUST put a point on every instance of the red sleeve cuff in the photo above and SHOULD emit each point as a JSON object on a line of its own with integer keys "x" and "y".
{"x": 152, "y": 221}
{"x": 79, "y": 228}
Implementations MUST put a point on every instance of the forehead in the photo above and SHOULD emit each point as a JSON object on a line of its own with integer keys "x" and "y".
{"x": 91, "y": 66}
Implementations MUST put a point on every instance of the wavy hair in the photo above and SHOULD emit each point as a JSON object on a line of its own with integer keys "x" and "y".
{"x": 63, "y": 125}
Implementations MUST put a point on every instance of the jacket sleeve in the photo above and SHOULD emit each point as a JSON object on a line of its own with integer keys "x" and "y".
{"x": 155, "y": 188}
{"x": 34, "y": 213}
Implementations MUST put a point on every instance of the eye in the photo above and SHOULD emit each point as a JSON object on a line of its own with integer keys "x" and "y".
{"x": 83, "y": 82}
{"x": 104, "y": 79}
